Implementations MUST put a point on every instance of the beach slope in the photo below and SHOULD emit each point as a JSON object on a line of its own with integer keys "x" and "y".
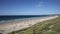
{"x": 9, "y": 27}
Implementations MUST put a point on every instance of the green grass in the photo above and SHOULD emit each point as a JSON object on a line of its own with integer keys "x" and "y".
{"x": 45, "y": 27}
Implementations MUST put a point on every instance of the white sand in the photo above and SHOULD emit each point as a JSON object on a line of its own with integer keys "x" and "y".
{"x": 9, "y": 27}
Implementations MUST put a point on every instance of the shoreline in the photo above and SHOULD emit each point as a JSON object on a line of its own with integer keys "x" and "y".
{"x": 24, "y": 24}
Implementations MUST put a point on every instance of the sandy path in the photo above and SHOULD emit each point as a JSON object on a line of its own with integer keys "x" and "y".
{"x": 5, "y": 28}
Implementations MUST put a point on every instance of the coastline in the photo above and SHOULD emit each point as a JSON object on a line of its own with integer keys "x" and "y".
{"x": 24, "y": 24}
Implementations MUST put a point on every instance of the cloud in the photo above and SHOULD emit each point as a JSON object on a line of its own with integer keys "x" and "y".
{"x": 40, "y": 4}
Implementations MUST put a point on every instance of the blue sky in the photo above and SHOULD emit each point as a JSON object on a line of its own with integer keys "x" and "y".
{"x": 29, "y": 7}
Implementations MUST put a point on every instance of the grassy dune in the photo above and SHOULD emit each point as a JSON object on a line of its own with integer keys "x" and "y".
{"x": 45, "y": 27}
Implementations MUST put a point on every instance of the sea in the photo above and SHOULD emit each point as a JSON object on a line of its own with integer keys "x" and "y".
{"x": 15, "y": 18}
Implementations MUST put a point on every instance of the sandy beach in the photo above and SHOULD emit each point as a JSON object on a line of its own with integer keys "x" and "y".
{"x": 9, "y": 27}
